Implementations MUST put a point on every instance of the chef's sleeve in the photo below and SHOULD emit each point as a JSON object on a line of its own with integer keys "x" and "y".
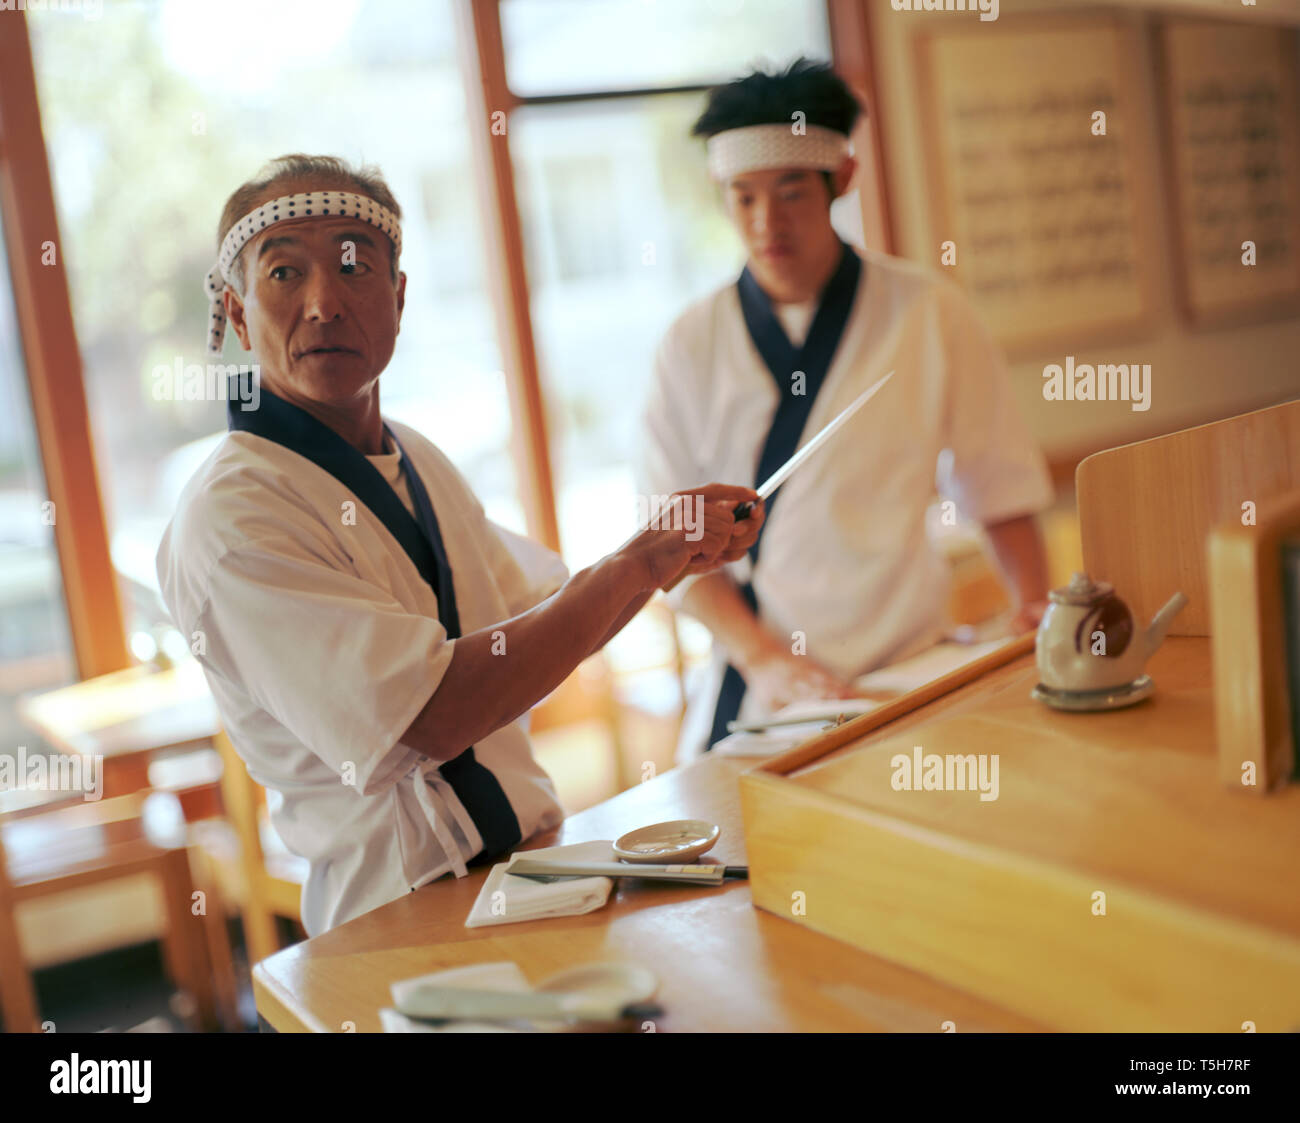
{"x": 333, "y": 658}
{"x": 994, "y": 469}
{"x": 526, "y": 572}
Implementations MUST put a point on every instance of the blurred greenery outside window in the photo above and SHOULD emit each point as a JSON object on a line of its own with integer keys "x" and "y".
{"x": 153, "y": 114}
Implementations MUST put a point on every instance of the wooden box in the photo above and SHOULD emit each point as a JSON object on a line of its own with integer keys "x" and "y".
{"x": 1112, "y": 885}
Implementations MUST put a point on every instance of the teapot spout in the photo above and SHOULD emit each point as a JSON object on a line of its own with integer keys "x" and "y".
{"x": 1155, "y": 634}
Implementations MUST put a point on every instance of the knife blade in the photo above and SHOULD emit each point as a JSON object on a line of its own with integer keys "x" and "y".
{"x": 777, "y": 478}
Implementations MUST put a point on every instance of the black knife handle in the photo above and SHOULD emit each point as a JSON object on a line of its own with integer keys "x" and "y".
{"x": 742, "y": 511}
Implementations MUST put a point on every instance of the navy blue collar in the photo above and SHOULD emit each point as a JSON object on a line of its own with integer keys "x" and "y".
{"x": 814, "y": 357}
{"x": 297, "y": 430}
{"x": 783, "y": 360}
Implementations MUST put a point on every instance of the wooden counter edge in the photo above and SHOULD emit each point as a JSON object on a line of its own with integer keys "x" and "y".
{"x": 841, "y": 735}
{"x": 279, "y": 1008}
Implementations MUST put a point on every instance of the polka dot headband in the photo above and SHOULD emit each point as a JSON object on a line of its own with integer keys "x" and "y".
{"x": 308, "y": 204}
{"x": 756, "y": 147}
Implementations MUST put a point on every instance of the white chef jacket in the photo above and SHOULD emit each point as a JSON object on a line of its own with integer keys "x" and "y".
{"x": 845, "y": 559}
{"x": 321, "y": 642}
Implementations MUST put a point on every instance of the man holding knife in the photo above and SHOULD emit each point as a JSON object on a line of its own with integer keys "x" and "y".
{"x": 371, "y": 639}
{"x": 842, "y": 578}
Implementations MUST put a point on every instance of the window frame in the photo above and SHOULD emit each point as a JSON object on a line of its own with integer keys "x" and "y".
{"x": 52, "y": 359}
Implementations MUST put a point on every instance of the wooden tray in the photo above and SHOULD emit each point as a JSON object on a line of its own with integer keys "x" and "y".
{"x": 1113, "y": 884}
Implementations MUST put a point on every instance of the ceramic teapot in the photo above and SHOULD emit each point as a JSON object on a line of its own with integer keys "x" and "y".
{"x": 1087, "y": 639}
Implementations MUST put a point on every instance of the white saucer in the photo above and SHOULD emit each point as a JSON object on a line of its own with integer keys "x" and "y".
{"x": 1088, "y": 701}
{"x": 682, "y": 840}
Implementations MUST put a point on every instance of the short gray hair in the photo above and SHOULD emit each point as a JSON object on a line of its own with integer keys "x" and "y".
{"x": 323, "y": 172}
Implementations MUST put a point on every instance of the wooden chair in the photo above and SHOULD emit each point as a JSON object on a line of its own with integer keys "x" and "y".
{"x": 17, "y": 994}
{"x": 48, "y": 849}
{"x": 1146, "y": 509}
{"x": 263, "y": 882}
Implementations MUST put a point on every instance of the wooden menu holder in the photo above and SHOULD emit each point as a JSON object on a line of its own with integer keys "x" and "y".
{"x": 1146, "y": 509}
{"x": 1253, "y": 706}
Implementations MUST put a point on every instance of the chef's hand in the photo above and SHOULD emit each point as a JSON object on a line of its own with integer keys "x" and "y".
{"x": 779, "y": 677}
{"x": 744, "y": 533}
{"x": 693, "y": 533}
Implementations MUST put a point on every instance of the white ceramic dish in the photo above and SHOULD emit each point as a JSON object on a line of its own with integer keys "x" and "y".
{"x": 1089, "y": 701}
{"x": 681, "y": 840}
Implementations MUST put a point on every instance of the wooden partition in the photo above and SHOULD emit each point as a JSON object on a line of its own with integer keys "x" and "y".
{"x": 1146, "y": 509}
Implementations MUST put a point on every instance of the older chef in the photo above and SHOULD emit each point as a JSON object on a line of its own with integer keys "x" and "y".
{"x": 843, "y": 578}
{"x": 370, "y": 637}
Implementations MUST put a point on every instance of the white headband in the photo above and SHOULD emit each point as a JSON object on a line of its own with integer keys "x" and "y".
{"x": 756, "y": 147}
{"x": 308, "y": 204}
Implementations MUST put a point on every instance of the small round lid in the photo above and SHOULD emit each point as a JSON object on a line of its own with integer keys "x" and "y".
{"x": 1082, "y": 589}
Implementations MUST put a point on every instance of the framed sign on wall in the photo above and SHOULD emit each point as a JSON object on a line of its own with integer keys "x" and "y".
{"x": 1232, "y": 127}
{"x": 1037, "y": 177}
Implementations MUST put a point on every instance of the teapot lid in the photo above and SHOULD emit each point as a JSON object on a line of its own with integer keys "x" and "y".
{"x": 1082, "y": 589}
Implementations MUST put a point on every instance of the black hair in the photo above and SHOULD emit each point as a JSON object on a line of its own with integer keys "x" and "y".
{"x": 762, "y": 98}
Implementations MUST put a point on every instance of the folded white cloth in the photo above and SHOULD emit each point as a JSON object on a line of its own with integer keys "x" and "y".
{"x": 504, "y": 976}
{"x": 508, "y": 900}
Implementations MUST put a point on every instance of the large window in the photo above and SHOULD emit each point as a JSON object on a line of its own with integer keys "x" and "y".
{"x": 35, "y": 648}
{"x": 622, "y": 230}
{"x": 153, "y": 114}
{"x": 565, "y": 46}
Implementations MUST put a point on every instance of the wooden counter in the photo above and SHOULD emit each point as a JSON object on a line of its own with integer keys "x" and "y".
{"x": 723, "y": 965}
{"x": 1125, "y": 802}
{"x": 1113, "y": 883}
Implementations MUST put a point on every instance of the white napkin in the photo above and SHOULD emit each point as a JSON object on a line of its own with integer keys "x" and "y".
{"x": 508, "y": 900}
{"x": 503, "y": 976}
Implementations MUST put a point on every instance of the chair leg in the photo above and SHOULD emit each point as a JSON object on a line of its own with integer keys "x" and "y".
{"x": 260, "y": 934}
{"x": 217, "y": 939}
{"x": 17, "y": 994}
{"x": 186, "y": 936}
